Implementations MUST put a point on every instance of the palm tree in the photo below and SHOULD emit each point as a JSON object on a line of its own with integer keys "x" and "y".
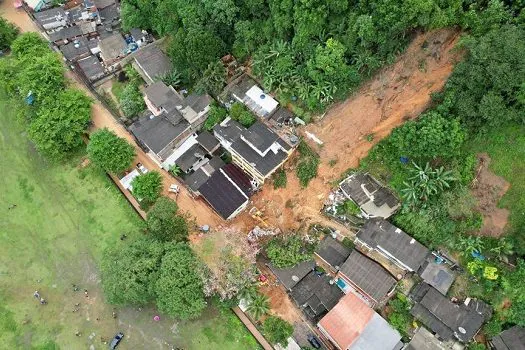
{"x": 259, "y": 306}
{"x": 470, "y": 244}
{"x": 175, "y": 170}
{"x": 248, "y": 293}
{"x": 172, "y": 78}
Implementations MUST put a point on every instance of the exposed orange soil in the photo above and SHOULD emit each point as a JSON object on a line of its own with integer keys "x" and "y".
{"x": 396, "y": 94}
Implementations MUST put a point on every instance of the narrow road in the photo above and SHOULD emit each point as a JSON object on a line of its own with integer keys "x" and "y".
{"x": 102, "y": 118}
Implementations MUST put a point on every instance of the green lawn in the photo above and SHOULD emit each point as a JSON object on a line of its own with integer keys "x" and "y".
{"x": 65, "y": 216}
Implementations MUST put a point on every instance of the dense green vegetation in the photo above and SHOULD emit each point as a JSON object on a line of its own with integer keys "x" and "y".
{"x": 399, "y": 316}
{"x": 279, "y": 179}
{"x": 110, "y": 152}
{"x": 307, "y": 164}
{"x": 8, "y": 33}
{"x": 130, "y": 97}
{"x": 163, "y": 222}
{"x": 287, "y": 251}
{"x": 277, "y": 330}
{"x": 216, "y": 115}
{"x": 147, "y": 188}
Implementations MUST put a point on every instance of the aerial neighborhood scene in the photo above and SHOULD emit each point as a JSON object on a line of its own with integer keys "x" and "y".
{"x": 262, "y": 174}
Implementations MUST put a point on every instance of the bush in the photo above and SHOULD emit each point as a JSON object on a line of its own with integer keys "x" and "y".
{"x": 147, "y": 187}
{"x": 279, "y": 179}
{"x": 216, "y": 115}
{"x": 277, "y": 330}
{"x": 131, "y": 100}
{"x": 239, "y": 113}
{"x": 288, "y": 251}
{"x": 400, "y": 317}
{"x": 307, "y": 165}
{"x": 110, "y": 152}
{"x": 8, "y": 33}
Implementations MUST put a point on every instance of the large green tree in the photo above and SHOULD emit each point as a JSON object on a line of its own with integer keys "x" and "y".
{"x": 147, "y": 186}
{"x": 60, "y": 122}
{"x": 288, "y": 251}
{"x": 130, "y": 271}
{"x": 29, "y": 45}
{"x": 110, "y": 152}
{"x": 179, "y": 288}
{"x": 131, "y": 100}
{"x": 8, "y": 33}
{"x": 277, "y": 330}
{"x": 163, "y": 222}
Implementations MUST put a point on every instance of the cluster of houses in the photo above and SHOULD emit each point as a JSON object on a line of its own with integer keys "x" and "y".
{"x": 341, "y": 287}
{"x": 88, "y": 34}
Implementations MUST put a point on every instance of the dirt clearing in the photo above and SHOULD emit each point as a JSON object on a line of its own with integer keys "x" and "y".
{"x": 397, "y": 93}
{"x": 488, "y": 188}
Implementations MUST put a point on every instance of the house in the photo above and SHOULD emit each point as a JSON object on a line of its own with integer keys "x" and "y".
{"x": 394, "y": 244}
{"x": 65, "y": 34}
{"x": 196, "y": 179}
{"x": 140, "y": 37}
{"x": 109, "y": 19}
{"x": 435, "y": 273}
{"x": 80, "y": 11}
{"x": 315, "y": 295}
{"x": 76, "y": 49}
{"x": 112, "y": 48}
{"x": 192, "y": 159}
{"x": 37, "y": 5}
{"x": 510, "y": 339}
{"x": 227, "y": 191}
{"x": 208, "y": 142}
{"x": 423, "y": 339}
{"x": 151, "y": 63}
{"x": 291, "y": 276}
{"x": 332, "y": 253}
{"x": 446, "y": 319}
{"x": 52, "y": 18}
{"x": 353, "y": 325}
{"x": 257, "y": 150}
{"x": 366, "y": 278}
{"x": 245, "y": 90}
{"x": 282, "y": 116}
{"x": 92, "y": 68}
{"x": 374, "y": 199}
{"x": 102, "y": 4}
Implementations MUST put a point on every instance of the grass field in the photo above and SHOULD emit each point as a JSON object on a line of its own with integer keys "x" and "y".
{"x": 65, "y": 216}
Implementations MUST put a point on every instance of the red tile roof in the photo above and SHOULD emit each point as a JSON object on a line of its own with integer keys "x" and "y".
{"x": 345, "y": 322}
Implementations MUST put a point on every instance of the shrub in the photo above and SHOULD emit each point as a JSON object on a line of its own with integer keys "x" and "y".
{"x": 239, "y": 113}
{"x": 147, "y": 187}
{"x": 280, "y": 180}
{"x": 277, "y": 330}
{"x": 288, "y": 251}
{"x": 307, "y": 165}
{"x": 110, "y": 152}
{"x": 131, "y": 101}
{"x": 216, "y": 115}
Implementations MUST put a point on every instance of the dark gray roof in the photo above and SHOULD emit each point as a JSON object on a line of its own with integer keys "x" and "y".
{"x": 50, "y": 15}
{"x": 446, "y": 318}
{"x": 113, "y": 46}
{"x": 100, "y": 4}
{"x": 229, "y": 129}
{"x": 75, "y": 49}
{"x": 424, "y": 340}
{"x": 194, "y": 154}
{"x": 289, "y": 277}
{"x": 511, "y": 339}
{"x": 368, "y": 275}
{"x": 163, "y": 96}
{"x": 91, "y": 67}
{"x": 196, "y": 179}
{"x": 381, "y": 195}
{"x": 198, "y": 102}
{"x": 240, "y": 86}
{"x": 281, "y": 115}
{"x": 437, "y": 275}
{"x": 65, "y": 33}
{"x": 153, "y": 61}
{"x": 333, "y": 252}
{"x": 207, "y": 141}
{"x": 385, "y": 237}
{"x": 136, "y": 33}
{"x": 265, "y": 164}
{"x": 260, "y": 136}
{"x": 109, "y": 14}
{"x": 220, "y": 192}
{"x": 215, "y": 163}
{"x": 315, "y": 295}
{"x": 157, "y": 132}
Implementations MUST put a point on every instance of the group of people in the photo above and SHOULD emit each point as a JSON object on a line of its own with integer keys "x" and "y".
{"x": 38, "y": 297}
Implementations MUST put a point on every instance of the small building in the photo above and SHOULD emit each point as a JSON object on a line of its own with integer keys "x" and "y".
{"x": 446, "y": 319}
{"x": 113, "y": 48}
{"x": 290, "y": 276}
{"x": 208, "y": 142}
{"x": 37, "y": 5}
{"x": 315, "y": 295}
{"x": 192, "y": 159}
{"x": 227, "y": 191}
{"x": 257, "y": 150}
{"x": 196, "y": 179}
{"x": 151, "y": 63}
{"x": 437, "y": 274}
{"x": 245, "y": 90}
{"x": 109, "y": 19}
{"x": 365, "y": 278}
{"x": 92, "y": 68}
{"x": 393, "y": 244}
{"x": 425, "y": 340}
{"x": 332, "y": 252}
{"x": 76, "y": 49}
{"x": 353, "y": 325}
{"x": 52, "y": 18}
{"x": 102, "y": 4}
{"x": 140, "y": 37}
{"x": 373, "y": 198}
{"x": 510, "y": 339}
{"x": 64, "y": 35}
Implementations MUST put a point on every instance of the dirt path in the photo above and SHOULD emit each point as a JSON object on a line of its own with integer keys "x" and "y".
{"x": 397, "y": 93}
{"x": 102, "y": 118}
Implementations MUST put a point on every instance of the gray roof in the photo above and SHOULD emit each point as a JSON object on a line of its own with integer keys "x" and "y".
{"x": 153, "y": 61}
{"x": 240, "y": 86}
{"x": 207, "y": 141}
{"x": 75, "y": 49}
{"x": 315, "y": 295}
{"x": 368, "y": 275}
{"x": 281, "y": 115}
{"x": 65, "y": 33}
{"x": 377, "y": 335}
{"x": 100, "y": 4}
{"x": 229, "y": 129}
{"x": 511, "y": 339}
{"x": 194, "y": 154}
{"x": 386, "y": 238}
{"x": 424, "y": 340}
{"x": 91, "y": 67}
{"x": 264, "y": 165}
{"x": 260, "y": 136}
{"x": 215, "y": 163}
{"x": 437, "y": 275}
{"x": 289, "y": 277}
{"x": 163, "y": 96}
{"x": 198, "y": 102}
{"x": 196, "y": 179}
{"x": 109, "y": 15}
{"x": 136, "y": 33}
{"x": 333, "y": 252}
{"x": 113, "y": 46}
{"x": 446, "y": 318}
{"x": 157, "y": 132}
{"x": 50, "y": 16}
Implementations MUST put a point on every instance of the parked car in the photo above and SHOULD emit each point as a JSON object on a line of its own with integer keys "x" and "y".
{"x": 116, "y": 340}
{"x": 142, "y": 168}
{"x": 314, "y": 341}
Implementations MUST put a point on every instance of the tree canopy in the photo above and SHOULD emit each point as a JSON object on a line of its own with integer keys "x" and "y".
{"x": 163, "y": 222}
{"x": 147, "y": 186}
{"x": 288, "y": 251}
{"x": 179, "y": 288}
{"x": 277, "y": 330}
{"x": 8, "y": 33}
{"x": 110, "y": 152}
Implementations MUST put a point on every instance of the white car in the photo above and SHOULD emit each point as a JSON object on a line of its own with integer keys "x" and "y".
{"x": 174, "y": 188}
{"x": 142, "y": 168}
